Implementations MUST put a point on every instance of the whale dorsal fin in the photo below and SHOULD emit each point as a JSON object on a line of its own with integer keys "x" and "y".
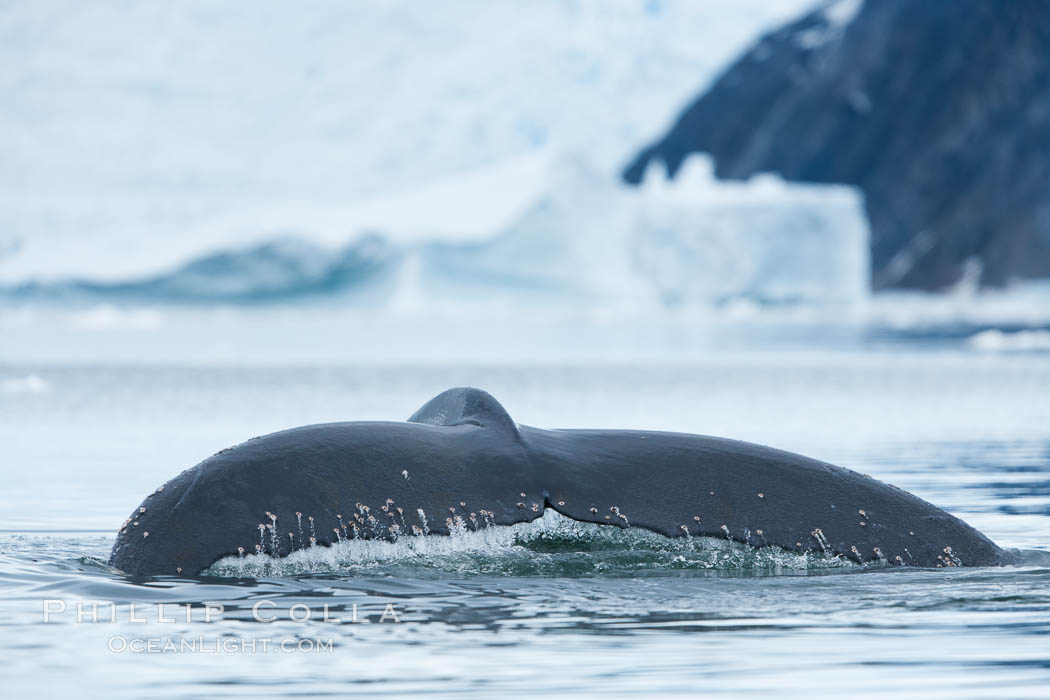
{"x": 465, "y": 405}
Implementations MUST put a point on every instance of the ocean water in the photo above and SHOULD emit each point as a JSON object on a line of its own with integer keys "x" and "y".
{"x": 555, "y": 608}
{"x": 218, "y": 223}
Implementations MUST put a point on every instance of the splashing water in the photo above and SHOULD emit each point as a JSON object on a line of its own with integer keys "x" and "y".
{"x": 552, "y": 545}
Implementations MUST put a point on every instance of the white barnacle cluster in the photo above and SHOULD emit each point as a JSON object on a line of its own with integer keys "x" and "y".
{"x": 132, "y": 521}
{"x": 949, "y": 558}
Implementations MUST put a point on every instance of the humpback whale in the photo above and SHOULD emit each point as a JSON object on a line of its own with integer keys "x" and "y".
{"x": 462, "y": 463}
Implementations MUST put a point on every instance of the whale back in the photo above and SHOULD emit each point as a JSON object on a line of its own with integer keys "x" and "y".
{"x": 679, "y": 484}
{"x": 465, "y": 406}
{"x": 462, "y": 463}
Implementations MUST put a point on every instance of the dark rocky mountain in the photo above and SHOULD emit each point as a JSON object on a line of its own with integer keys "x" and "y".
{"x": 939, "y": 110}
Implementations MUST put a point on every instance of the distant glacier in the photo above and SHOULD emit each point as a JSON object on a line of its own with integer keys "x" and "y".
{"x": 204, "y": 151}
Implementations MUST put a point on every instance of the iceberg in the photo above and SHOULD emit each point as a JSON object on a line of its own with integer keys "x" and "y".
{"x": 695, "y": 239}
